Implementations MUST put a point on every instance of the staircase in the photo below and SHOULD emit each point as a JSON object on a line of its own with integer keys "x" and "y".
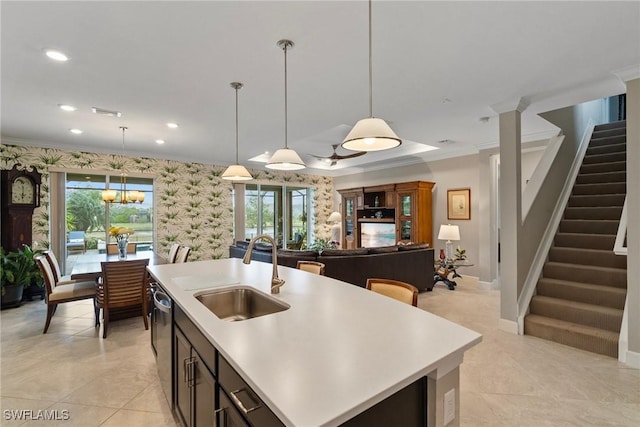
{"x": 580, "y": 297}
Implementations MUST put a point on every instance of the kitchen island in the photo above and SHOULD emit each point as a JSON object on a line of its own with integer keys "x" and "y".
{"x": 336, "y": 352}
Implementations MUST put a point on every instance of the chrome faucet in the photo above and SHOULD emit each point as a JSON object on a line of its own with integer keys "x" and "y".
{"x": 276, "y": 282}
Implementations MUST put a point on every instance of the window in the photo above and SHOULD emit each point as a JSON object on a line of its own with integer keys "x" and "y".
{"x": 86, "y": 212}
{"x": 278, "y": 211}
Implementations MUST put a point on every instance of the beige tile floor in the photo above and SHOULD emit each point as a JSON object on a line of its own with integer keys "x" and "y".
{"x": 507, "y": 380}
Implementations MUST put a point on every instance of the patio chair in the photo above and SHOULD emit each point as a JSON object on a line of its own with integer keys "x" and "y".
{"x": 76, "y": 241}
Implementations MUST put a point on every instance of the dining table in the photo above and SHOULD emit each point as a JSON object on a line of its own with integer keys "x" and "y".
{"x": 89, "y": 267}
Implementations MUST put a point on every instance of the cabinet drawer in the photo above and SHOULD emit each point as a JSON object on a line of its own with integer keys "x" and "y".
{"x": 199, "y": 342}
{"x": 253, "y": 408}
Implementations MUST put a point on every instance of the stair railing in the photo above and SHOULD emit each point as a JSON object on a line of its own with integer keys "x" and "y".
{"x": 619, "y": 248}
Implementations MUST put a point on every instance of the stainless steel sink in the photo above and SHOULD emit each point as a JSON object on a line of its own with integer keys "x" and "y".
{"x": 240, "y": 303}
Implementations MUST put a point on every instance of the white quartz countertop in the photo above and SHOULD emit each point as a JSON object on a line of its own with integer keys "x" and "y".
{"x": 338, "y": 350}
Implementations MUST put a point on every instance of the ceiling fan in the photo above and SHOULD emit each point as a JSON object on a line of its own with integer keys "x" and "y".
{"x": 333, "y": 158}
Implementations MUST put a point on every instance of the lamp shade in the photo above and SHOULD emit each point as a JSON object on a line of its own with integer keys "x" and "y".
{"x": 285, "y": 159}
{"x": 449, "y": 232}
{"x": 237, "y": 173}
{"x": 371, "y": 134}
{"x": 334, "y": 217}
{"x": 108, "y": 195}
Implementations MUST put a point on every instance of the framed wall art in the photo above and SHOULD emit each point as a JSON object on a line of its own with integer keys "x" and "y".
{"x": 459, "y": 203}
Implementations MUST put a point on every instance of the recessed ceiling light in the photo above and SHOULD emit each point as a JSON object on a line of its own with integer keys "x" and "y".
{"x": 56, "y": 55}
{"x": 445, "y": 141}
{"x": 66, "y": 107}
{"x": 75, "y": 131}
{"x": 160, "y": 141}
{"x": 484, "y": 119}
{"x": 445, "y": 100}
{"x": 172, "y": 125}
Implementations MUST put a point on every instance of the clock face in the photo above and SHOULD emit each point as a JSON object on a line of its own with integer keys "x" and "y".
{"x": 22, "y": 191}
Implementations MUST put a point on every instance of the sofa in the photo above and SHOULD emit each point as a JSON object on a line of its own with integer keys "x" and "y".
{"x": 408, "y": 263}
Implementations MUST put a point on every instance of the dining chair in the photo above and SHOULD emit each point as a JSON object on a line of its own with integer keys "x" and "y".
{"x": 311, "y": 266}
{"x": 183, "y": 254}
{"x": 123, "y": 285}
{"x": 173, "y": 251}
{"x": 55, "y": 267}
{"x": 58, "y": 292}
{"x": 112, "y": 248}
{"x": 395, "y": 289}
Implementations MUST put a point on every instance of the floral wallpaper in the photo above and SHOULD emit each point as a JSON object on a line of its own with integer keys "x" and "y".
{"x": 193, "y": 205}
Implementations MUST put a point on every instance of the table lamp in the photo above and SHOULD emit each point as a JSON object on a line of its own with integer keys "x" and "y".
{"x": 336, "y": 228}
{"x": 449, "y": 232}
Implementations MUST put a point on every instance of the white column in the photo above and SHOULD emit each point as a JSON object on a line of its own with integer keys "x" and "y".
{"x": 510, "y": 187}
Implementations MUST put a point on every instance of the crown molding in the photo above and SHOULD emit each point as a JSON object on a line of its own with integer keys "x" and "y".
{"x": 519, "y": 104}
{"x": 628, "y": 73}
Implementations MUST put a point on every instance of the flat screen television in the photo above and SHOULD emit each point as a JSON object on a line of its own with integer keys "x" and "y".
{"x": 376, "y": 234}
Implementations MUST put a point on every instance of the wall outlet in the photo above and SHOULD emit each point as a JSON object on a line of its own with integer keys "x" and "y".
{"x": 449, "y": 406}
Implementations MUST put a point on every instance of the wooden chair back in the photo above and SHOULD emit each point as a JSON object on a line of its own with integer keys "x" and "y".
{"x": 112, "y": 248}
{"x": 395, "y": 289}
{"x": 48, "y": 274}
{"x": 55, "y": 266}
{"x": 311, "y": 266}
{"x": 173, "y": 251}
{"x": 183, "y": 254}
{"x": 124, "y": 284}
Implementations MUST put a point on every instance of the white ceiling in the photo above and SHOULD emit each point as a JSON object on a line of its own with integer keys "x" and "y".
{"x": 173, "y": 61}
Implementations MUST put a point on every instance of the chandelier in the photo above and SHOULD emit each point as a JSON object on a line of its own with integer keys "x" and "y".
{"x": 131, "y": 196}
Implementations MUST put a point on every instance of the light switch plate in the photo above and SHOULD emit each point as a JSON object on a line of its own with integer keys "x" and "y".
{"x": 449, "y": 406}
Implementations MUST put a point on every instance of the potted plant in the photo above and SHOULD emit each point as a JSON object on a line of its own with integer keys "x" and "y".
{"x": 19, "y": 270}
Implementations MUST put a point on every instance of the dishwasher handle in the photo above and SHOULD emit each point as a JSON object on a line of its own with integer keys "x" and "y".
{"x": 162, "y": 301}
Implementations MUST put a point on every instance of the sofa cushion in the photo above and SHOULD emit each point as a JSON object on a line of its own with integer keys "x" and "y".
{"x": 266, "y": 247}
{"x": 345, "y": 252}
{"x": 383, "y": 249}
{"x": 242, "y": 243}
{"x": 413, "y": 246}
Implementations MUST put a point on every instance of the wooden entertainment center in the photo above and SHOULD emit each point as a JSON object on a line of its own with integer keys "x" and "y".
{"x": 404, "y": 209}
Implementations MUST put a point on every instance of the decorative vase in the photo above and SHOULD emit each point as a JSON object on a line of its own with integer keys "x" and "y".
{"x": 442, "y": 255}
{"x": 122, "y": 249}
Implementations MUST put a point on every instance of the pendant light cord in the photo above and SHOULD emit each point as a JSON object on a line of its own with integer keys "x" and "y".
{"x": 123, "y": 175}
{"x": 370, "y": 67}
{"x": 286, "y": 145}
{"x": 236, "y": 88}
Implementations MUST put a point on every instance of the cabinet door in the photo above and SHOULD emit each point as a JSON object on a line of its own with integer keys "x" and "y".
{"x": 227, "y": 414}
{"x": 182, "y": 378}
{"x": 204, "y": 389}
{"x": 349, "y": 222}
{"x": 406, "y": 212}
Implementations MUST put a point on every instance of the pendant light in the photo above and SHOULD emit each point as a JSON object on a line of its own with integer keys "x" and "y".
{"x": 371, "y": 134}
{"x": 237, "y": 172}
{"x": 285, "y": 158}
{"x": 133, "y": 196}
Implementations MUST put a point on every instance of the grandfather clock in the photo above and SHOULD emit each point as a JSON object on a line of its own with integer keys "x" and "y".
{"x": 20, "y": 192}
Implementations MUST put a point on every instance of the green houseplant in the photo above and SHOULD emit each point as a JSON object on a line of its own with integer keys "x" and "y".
{"x": 19, "y": 270}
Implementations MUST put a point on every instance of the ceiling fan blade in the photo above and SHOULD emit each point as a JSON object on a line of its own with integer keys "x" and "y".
{"x": 349, "y": 156}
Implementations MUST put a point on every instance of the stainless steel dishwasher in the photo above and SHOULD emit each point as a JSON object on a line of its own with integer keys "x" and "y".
{"x": 161, "y": 339}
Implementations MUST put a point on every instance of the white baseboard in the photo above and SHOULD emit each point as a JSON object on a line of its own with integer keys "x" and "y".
{"x": 508, "y": 326}
{"x": 494, "y": 285}
{"x": 632, "y": 359}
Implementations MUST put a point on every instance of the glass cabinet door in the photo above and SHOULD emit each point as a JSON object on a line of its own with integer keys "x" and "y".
{"x": 405, "y": 214}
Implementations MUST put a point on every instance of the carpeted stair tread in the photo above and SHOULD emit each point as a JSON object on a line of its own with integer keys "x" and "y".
{"x": 599, "y": 188}
{"x": 608, "y": 212}
{"x": 596, "y": 316}
{"x": 588, "y": 293}
{"x": 611, "y": 125}
{"x": 583, "y": 240}
{"x": 603, "y": 167}
{"x": 575, "y": 335}
{"x": 607, "y": 140}
{"x": 608, "y": 132}
{"x": 602, "y": 177}
{"x": 597, "y": 275}
{"x": 606, "y": 149}
{"x": 599, "y": 257}
{"x": 604, "y": 158}
{"x": 597, "y": 200}
{"x": 589, "y": 226}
